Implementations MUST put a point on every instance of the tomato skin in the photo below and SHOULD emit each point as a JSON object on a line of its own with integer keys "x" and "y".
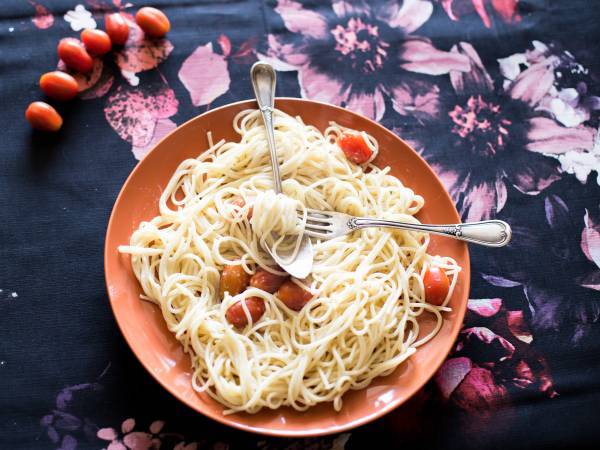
{"x": 234, "y": 280}
{"x": 97, "y": 42}
{"x": 436, "y": 284}
{"x": 355, "y": 148}
{"x": 43, "y": 117}
{"x": 153, "y": 21}
{"x": 74, "y": 55}
{"x": 58, "y": 85}
{"x": 116, "y": 28}
{"x": 267, "y": 281}
{"x": 235, "y": 314}
{"x": 293, "y": 296}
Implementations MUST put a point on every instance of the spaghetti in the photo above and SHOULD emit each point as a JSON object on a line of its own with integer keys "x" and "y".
{"x": 367, "y": 287}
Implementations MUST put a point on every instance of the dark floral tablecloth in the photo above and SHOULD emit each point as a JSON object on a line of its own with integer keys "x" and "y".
{"x": 502, "y": 97}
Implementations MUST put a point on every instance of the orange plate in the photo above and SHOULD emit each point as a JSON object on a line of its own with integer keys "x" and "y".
{"x": 142, "y": 323}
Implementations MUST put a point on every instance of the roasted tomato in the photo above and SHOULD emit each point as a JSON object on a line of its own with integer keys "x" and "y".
{"x": 236, "y": 316}
{"x": 267, "y": 281}
{"x": 233, "y": 280}
{"x": 293, "y": 296}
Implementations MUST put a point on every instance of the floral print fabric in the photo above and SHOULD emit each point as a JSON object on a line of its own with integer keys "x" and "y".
{"x": 501, "y": 97}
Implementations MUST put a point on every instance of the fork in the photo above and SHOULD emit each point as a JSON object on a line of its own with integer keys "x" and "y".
{"x": 329, "y": 225}
{"x": 263, "y": 80}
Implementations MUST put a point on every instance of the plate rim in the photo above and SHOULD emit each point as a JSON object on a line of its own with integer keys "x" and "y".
{"x": 262, "y": 430}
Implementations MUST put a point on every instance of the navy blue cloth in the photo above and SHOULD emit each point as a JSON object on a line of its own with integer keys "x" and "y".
{"x": 501, "y": 100}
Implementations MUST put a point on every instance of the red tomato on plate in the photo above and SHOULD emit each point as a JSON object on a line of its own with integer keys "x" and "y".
{"x": 355, "y": 148}
{"x": 436, "y": 285}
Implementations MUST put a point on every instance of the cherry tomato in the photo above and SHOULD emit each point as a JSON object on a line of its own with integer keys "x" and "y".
{"x": 58, "y": 85}
{"x": 267, "y": 281}
{"x": 233, "y": 280}
{"x": 153, "y": 21}
{"x": 436, "y": 285}
{"x": 236, "y": 316}
{"x": 293, "y": 296}
{"x": 117, "y": 28}
{"x": 97, "y": 42}
{"x": 74, "y": 55}
{"x": 41, "y": 116}
{"x": 355, "y": 148}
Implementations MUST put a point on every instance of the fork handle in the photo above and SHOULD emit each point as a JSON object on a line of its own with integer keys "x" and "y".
{"x": 263, "y": 81}
{"x": 492, "y": 233}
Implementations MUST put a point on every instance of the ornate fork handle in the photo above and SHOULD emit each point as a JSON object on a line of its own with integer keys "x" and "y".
{"x": 493, "y": 233}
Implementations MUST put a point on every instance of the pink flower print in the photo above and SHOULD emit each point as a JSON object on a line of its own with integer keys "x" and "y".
{"x": 568, "y": 98}
{"x": 153, "y": 439}
{"x": 337, "y": 54}
{"x": 492, "y": 360}
{"x": 557, "y": 301}
{"x": 480, "y": 138}
{"x": 43, "y": 17}
{"x": 505, "y": 10}
{"x": 140, "y": 116}
{"x": 140, "y": 53}
{"x": 94, "y": 84}
{"x": 590, "y": 245}
{"x": 205, "y": 86}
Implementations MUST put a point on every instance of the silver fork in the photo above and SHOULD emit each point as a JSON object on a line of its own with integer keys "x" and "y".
{"x": 329, "y": 225}
{"x": 263, "y": 81}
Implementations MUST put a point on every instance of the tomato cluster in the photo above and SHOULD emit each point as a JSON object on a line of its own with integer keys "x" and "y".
{"x": 78, "y": 55}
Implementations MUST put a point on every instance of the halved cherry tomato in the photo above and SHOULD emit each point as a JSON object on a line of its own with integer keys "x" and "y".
{"x": 436, "y": 285}
{"x": 293, "y": 296}
{"x": 74, "y": 55}
{"x": 153, "y": 21}
{"x": 236, "y": 316}
{"x": 43, "y": 117}
{"x": 233, "y": 280}
{"x": 355, "y": 148}
{"x": 97, "y": 42}
{"x": 267, "y": 281}
{"x": 117, "y": 28}
{"x": 58, "y": 85}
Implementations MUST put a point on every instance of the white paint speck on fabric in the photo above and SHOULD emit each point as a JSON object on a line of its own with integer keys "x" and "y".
{"x": 11, "y": 29}
{"x": 2, "y": 363}
{"x": 14, "y": 295}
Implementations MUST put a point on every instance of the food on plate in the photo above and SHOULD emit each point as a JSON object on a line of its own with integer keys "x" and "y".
{"x": 257, "y": 337}
{"x": 43, "y": 117}
{"x": 97, "y": 42}
{"x": 116, "y": 28}
{"x": 74, "y": 55}
{"x": 58, "y": 85}
{"x": 355, "y": 147}
{"x": 436, "y": 285}
{"x": 153, "y": 21}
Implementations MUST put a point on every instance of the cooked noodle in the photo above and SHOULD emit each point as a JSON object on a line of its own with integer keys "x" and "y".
{"x": 363, "y": 320}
